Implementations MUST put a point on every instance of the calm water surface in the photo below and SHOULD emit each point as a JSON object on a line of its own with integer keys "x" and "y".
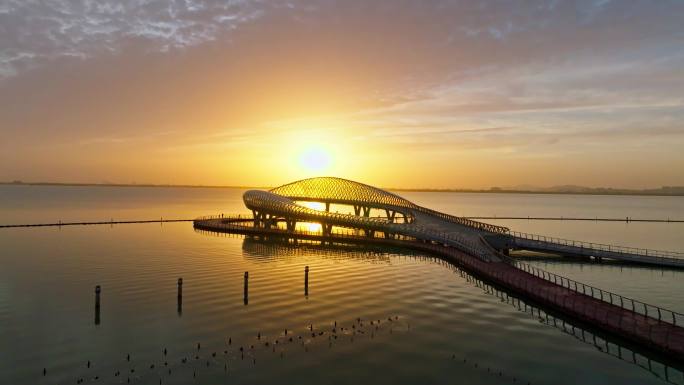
{"x": 439, "y": 316}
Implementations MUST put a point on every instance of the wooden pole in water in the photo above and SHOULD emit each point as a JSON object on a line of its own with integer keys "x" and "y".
{"x": 306, "y": 281}
{"x": 98, "y": 289}
{"x": 180, "y": 297}
{"x": 246, "y": 299}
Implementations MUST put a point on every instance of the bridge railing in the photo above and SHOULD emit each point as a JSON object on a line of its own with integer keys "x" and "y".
{"x": 625, "y": 315}
{"x": 208, "y": 217}
{"x": 603, "y": 343}
{"x": 232, "y": 217}
{"x": 466, "y": 245}
{"x": 417, "y": 232}
{"x": 600, "y": 246}
{"x": 615, "y": 318}
{"x": 626, "y": 303}
{"x": 234, "y": 222}
{"x": 465, "y": 221}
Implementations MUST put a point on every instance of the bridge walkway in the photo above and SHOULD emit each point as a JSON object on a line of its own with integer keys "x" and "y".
{"x": 523, "y": 241}
{"x": 437, "y": 225}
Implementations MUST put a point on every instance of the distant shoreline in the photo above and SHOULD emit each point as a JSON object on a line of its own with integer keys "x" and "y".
{"x": 677, "y": 191}
{"x": 489, "y": 191}
{"x": 75, "y": 184}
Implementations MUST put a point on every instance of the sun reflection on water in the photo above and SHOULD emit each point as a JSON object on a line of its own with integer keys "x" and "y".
{"x": 309, "y": 226}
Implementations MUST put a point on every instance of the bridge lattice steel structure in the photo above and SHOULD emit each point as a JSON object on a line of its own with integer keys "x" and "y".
{"x": 363, "y": 197}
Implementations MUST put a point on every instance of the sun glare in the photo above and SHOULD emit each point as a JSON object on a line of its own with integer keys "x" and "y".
{"x": 312, "y": 152}
{"x": 315, "y": 159}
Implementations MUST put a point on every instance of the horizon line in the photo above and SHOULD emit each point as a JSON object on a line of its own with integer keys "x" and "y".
{"x": 656, "y": 191}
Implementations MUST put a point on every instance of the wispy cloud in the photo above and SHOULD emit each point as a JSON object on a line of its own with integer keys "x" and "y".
{"x": 142, "y": 137}
{"x": 39, "y": 30}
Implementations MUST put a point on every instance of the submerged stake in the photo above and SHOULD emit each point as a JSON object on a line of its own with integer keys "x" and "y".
{"x": 98, "y": 289}
{"x": 246, "y": 288}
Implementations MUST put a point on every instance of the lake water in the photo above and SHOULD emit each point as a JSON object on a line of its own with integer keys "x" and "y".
{"x": 432, "y": 316}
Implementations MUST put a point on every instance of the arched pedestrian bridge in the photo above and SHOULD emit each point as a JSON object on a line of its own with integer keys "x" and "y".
{"x": 370, "y": 211}
{"x": 341, "y": 205}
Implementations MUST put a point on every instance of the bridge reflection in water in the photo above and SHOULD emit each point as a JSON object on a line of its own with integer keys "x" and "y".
{"x": 273, "y": 249}
{"x": 380, "y": 217}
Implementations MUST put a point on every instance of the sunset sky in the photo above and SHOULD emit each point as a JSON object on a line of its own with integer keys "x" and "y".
{"x": 440, "y": 94}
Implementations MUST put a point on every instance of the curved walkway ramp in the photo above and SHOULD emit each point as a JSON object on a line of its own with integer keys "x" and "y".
{"x": 523, "y": 241}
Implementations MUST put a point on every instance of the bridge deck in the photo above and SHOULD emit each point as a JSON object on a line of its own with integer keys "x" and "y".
{"x": 566, "y": 247}
{"x": 581, "y": 250}
{"x": 643, "y": 329}
{"x": 514, "y": 240}
{"x": 439, "y": 225}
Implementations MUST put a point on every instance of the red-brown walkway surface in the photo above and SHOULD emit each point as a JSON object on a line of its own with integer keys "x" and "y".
{"x": 647, "y": 331}
{"x": 643, "y": 330}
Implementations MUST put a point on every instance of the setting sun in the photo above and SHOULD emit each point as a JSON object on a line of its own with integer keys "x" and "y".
{"x": 315, "y": 159}
{"x": 312, "y": 150}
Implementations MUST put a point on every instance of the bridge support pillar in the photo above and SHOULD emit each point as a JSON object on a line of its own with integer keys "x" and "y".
{"x": 407, "y": 218}
{"x": 268, "y": 220}
{"x": 259, "y": 219}
{"x": 290, "y": 225}
{"x": 327, "y": 206}
{"x": 390, "y": 215}
{"x": 264, "y": 220}
{"x": 357, "y": 210}
{"x": 327, "y": 229}
{"x": 366, "y": 211}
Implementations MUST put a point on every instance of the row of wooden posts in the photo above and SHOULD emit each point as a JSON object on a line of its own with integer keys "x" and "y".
{"x": 98, "y": 291}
